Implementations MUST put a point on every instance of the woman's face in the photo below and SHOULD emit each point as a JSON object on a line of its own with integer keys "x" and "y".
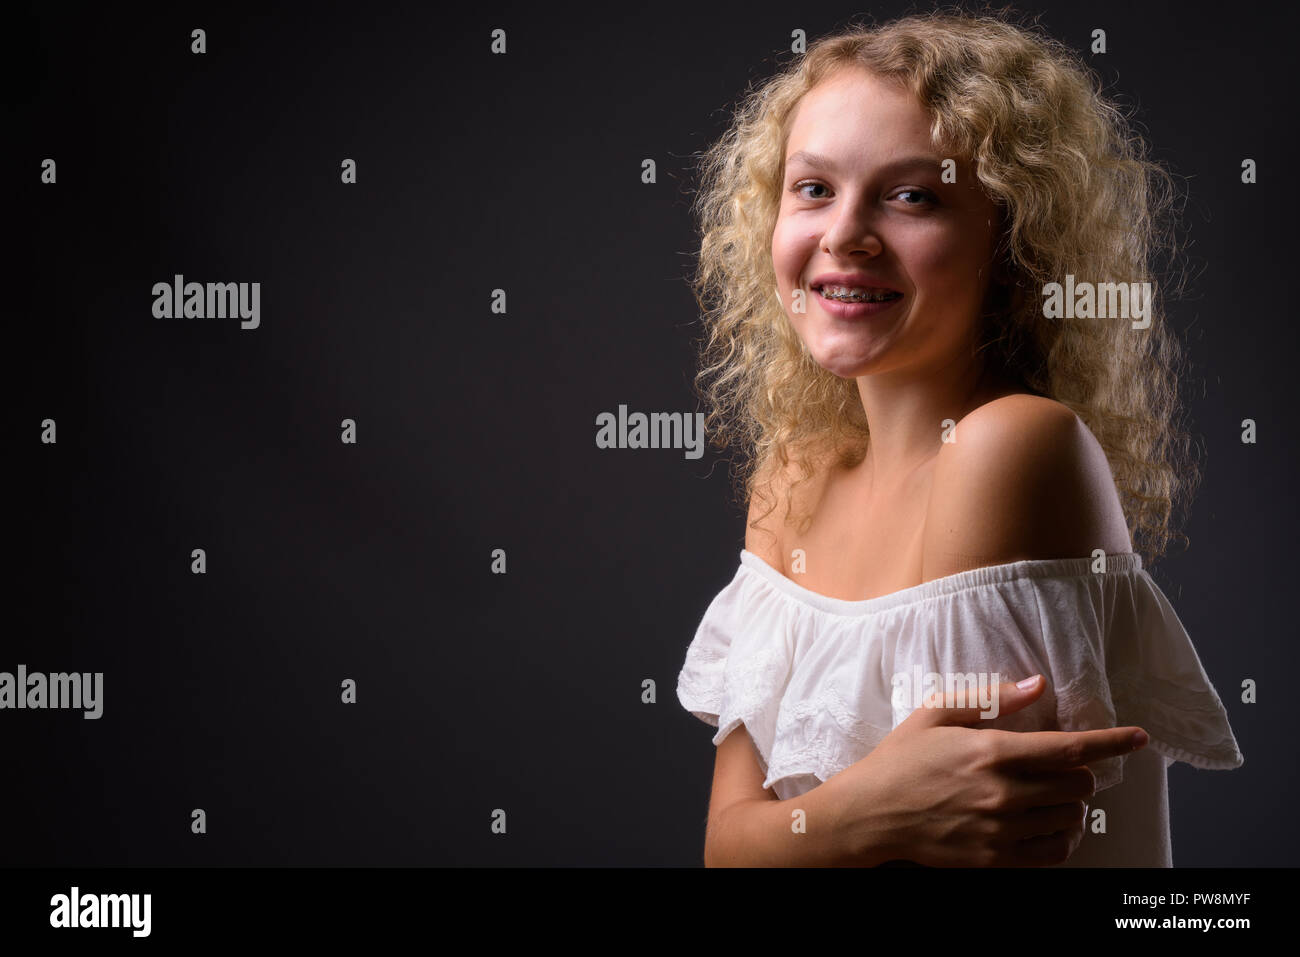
{"x": 864, "y": 194}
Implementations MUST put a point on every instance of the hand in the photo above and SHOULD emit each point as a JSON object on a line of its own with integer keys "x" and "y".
{"x": 943, "y": 792}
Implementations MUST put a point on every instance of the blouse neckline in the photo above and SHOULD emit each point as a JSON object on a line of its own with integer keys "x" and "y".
{"x": 1120, "y": 563}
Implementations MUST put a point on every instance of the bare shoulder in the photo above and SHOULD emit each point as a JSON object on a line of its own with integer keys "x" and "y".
{"x": 1022, "y": 477}
{"x": 1019, "y": 409}
{"x": 772, "y": 502}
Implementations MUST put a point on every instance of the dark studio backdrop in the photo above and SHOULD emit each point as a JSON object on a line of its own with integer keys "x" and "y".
{"x": 475, "y": 430}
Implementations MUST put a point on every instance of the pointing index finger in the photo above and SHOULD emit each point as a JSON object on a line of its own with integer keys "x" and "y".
{"x": 1060, "y": 750}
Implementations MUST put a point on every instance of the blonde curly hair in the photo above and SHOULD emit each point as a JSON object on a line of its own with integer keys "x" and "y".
{"x": 1077, "y": 192}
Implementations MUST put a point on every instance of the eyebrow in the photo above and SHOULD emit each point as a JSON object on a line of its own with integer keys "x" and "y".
{"x": 819, "y": 161}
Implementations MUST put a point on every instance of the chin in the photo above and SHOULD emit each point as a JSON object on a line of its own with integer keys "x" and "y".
{"x": 849, "y": 354}
{"x": 842, "y": 366}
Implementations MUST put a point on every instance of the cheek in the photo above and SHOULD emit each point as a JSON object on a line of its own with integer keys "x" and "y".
{"x": 949, "y": 262}
{"x": 780, "y": 253}
{"x": 789, "y": 252}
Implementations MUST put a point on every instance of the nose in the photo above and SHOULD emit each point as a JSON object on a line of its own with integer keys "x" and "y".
{"x": 853, "y": 229}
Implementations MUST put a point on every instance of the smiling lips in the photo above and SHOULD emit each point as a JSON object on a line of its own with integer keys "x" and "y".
{"x": 855, "y": 300}
{"x": 852, "y": 280}
{"x": 859, "y": 294}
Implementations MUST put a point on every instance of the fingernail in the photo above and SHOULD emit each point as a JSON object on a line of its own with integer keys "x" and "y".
{"x": 1028, "y": 682}
{"x": 1140, "y": 738}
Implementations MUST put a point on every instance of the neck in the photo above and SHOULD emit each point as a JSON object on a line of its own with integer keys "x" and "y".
{"x": 906, "y": 410}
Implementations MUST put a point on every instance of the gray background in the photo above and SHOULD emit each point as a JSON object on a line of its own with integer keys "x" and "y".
{"x": 326, "y": 561}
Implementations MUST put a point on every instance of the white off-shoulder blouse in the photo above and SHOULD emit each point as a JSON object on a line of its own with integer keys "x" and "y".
{"x": 816, "y": 680}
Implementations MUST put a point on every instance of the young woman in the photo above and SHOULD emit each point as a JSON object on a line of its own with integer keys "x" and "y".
{"x": 942, "y": 471}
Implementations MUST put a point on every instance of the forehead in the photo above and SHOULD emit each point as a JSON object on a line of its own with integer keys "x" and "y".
{"x": 854, "y": 111}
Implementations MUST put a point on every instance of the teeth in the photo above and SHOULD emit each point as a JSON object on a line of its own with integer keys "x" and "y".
{"x": 857, "y": 294}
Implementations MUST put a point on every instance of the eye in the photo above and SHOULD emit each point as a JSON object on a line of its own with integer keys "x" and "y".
{"x": 798, "y": 188}
{"x": 924, "y": 196}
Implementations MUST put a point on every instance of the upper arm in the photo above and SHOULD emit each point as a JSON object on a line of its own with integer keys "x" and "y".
{"x": 736, "y": 774}
{"x": 1024, "y": 479}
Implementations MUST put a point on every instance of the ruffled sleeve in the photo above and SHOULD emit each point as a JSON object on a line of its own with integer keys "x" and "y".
{"x": 815, "y": 680}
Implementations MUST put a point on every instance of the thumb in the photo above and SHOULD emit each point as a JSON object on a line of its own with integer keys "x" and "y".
{"x": 1009, "y": 697}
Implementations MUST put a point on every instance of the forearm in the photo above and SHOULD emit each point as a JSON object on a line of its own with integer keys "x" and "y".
{"x": 771, "y": 834}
